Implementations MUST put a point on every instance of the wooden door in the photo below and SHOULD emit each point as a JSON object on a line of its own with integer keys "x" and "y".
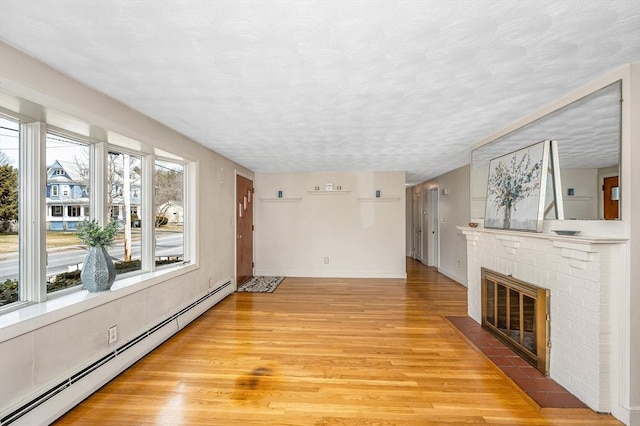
{"x": 244, "y": 229}
{"x": 610, "y": 205}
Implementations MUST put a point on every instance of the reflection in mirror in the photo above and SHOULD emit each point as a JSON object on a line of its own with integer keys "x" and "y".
{"x": 588, "y": 136}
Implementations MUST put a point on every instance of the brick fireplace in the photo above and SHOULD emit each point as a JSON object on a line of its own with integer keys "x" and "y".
{"x": 580, "y": 275}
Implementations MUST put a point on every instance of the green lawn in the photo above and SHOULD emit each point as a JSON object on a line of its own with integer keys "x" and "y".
{"x": 9, "y": 241}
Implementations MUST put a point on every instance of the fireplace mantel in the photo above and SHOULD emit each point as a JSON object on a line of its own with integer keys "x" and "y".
{"x": 584, "y": 275}
{"x": 574, "y": 239}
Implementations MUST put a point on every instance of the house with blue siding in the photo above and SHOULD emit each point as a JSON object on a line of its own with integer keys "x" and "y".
{"x": 67, "y": 195}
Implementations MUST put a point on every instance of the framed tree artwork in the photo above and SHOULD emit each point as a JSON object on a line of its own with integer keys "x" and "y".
{"x": 523, "y": 187}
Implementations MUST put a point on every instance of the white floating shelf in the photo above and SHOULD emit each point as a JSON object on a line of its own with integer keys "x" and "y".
{"x": 577, "y": 197}
{"x": 328, "y": 192}
{"x": 378, "y": 199}
{"x": 280, "y": 200}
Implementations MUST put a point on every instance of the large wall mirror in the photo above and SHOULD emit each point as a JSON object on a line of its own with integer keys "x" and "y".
{"x": 588, "y": 134}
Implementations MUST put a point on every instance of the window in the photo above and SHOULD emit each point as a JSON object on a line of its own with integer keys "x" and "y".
{"x": 60, "y": 253}
{"x": 124, "y": 171}
{"x": 64, "y": 258}
{"x": 9, "y": 211}
{"x": 73, "y": 211}
{"x": 169, "y": 212}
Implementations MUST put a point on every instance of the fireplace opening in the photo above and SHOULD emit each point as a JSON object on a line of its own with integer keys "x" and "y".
{"x": 517, "y": 313}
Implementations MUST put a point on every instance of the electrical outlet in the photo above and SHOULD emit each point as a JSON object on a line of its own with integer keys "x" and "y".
{"x": 210, "y": 282}
{"x": 112, "y": 334}
{"x": 326, "y": 260}
{"x": 459, "y": 265}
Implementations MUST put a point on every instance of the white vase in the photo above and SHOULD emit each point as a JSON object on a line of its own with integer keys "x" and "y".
{"x": 98, "y": 271}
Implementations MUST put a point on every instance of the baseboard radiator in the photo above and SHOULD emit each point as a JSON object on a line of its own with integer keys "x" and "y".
{"x": 121, "y": 358}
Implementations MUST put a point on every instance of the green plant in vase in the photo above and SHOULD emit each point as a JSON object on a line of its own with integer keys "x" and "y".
{"x": 98, "y": 271}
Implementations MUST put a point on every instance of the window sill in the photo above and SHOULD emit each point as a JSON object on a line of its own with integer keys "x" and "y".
{"x": 38, "y": 315}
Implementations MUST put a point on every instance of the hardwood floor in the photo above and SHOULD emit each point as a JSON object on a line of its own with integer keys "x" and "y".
{"x": 324, "y": 352}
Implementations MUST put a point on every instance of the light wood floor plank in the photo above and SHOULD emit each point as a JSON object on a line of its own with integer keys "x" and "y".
{"x": 324, "y": 352}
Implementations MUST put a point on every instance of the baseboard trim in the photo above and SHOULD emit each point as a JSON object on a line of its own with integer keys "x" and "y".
{"x": 47, "y": 406}
{"x": 338, "y": 274}
{"x": 457, "y": 278}
{"x": 628, "y": 416}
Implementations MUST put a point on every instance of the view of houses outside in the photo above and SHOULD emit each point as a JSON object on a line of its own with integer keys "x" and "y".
{"x": 68, "y": 196}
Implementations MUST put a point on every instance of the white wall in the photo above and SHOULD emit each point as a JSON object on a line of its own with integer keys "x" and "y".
{"x": 362, "y": 236}
{"x": 583, "y": 205}
{"x": 454, "y": 210}
{"x": 36, "y": 354}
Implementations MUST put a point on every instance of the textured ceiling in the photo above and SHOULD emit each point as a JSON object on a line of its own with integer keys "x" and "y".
{"x": 587, "y": 133}
{"x": 331, "y": 85}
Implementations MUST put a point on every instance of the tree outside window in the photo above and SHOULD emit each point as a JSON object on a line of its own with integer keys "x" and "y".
{"x": 169, "y": 209}
{"x": 9, "y": 210}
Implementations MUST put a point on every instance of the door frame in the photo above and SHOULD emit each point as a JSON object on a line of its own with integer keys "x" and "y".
{"x": 416, "y": 226}
{"x": 424, "y": 217}
{"x": 433, "y": 239}
{"x": 235, "y": 223}
{"x": 601, "y": 179}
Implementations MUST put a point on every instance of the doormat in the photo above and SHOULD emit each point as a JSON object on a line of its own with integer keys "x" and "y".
{"x": 261, "y": 285}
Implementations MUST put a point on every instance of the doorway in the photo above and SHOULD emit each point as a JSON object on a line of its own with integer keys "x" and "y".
{"x": 424, "y": 217}
{"x": 244, "y": 229}
{"x": 433, "y": 229}
{"x": 417, "y": 226}
{"x": 611, "y": 198}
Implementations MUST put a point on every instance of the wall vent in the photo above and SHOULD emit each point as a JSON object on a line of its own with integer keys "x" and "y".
{"x": 53, "y": 391}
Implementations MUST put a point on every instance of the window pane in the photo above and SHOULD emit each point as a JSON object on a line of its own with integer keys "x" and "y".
{"x": 491, "y": 302}
{"x": 67, "y": 196}
{"x": 124, "y": 183}
{"x": 514, "y": 316}
{"x": 9, "y": 141}
{"x": 529, "y": 308}
{"x": 502, "y": 308}
{"x": 169, "y": 209}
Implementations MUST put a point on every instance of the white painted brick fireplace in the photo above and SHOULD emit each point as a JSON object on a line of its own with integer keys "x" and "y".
{"x": 583, "y": 275}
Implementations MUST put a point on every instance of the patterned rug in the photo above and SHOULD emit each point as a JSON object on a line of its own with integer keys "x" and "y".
{"x": 261, "y": 285}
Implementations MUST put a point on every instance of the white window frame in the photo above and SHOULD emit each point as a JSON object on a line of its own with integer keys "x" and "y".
{"x": 54, "y": 191}
{"x": 33, "y": 211}
{"x": 188, "y": 249}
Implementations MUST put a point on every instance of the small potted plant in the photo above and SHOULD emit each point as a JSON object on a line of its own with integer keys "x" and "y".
{"x": 98, "y": 271}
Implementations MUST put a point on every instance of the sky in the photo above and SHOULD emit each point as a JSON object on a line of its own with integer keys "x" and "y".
{"x": 58, "y": 148}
